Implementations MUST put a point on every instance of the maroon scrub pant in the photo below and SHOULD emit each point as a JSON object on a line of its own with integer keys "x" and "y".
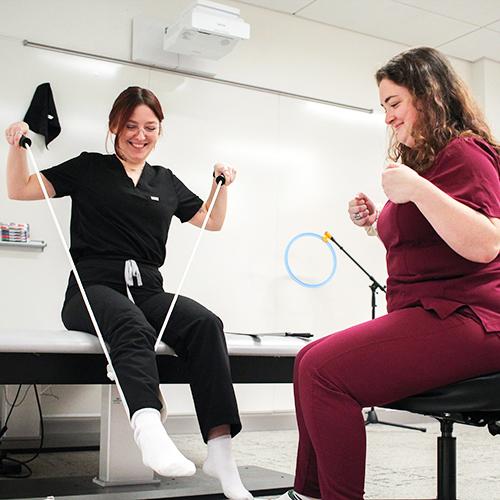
{"x": 400, "y": 354}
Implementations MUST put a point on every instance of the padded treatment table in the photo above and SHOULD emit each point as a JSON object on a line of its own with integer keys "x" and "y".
{"x": 70, "y": 357}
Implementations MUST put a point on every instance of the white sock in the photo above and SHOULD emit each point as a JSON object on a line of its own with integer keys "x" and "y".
{"x": 221, "y": 465}
{"x": 158, "y": 450}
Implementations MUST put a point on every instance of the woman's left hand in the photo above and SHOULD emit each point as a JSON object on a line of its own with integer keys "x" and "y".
{"x": 228, "y": 172}
{"x": 400, "y": 183}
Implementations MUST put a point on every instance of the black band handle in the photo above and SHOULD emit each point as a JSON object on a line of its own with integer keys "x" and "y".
{"x": 24, "y": 141}
{"x": 220, "y": 178}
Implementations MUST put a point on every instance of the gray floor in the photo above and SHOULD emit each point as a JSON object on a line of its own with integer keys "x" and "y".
{"x": 400, "y": 463}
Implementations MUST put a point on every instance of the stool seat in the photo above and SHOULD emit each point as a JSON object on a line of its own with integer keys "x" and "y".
{"x": 475, "y": 401}
{"x": 479, "y": 394}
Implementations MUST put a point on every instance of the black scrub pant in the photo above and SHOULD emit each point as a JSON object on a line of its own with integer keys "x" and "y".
{"x": 131, "y": 329}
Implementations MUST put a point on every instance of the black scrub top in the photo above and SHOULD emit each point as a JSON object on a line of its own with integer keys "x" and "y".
{"x": 113, "y": 219}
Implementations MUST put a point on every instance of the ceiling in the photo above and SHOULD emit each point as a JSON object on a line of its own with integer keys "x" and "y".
{"x": 466, "y": 29}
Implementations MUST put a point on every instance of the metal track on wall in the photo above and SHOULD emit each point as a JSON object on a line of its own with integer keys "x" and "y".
{"x": 188, "y": 74}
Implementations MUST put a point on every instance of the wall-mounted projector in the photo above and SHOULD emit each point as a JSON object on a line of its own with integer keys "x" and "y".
{"x": 206, "y": 29}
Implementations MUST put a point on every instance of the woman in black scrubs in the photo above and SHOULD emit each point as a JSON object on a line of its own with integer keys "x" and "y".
{"x": 121, "y": 212}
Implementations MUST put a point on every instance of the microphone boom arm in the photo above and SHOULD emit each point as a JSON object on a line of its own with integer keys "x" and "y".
{"x": 375, "y": 284}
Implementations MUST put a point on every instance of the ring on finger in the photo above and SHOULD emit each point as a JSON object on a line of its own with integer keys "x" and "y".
{"x": 357, "y": 216}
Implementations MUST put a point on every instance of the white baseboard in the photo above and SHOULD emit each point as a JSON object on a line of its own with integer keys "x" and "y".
{"x": 81, "y": 431}
{"x": 265, "y": 421}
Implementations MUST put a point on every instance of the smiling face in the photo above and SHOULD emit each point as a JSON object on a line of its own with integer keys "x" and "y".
{"x": 139, "y": 135}
{"x": 400, "y": 112}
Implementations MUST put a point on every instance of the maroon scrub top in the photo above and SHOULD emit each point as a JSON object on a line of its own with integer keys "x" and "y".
{"x": 422, "y": 269}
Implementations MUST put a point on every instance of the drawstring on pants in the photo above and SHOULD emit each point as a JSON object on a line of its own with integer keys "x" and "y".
{"x": 131, "y": 271}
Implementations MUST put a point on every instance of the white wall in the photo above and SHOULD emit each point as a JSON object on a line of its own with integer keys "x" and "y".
{"x": 486, "y": 84}
{"x": 299, "y": 163}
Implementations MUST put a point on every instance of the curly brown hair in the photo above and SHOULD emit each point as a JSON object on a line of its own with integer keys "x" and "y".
{"x": 445, "y": 106}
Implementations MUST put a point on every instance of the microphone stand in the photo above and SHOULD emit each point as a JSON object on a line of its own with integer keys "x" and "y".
{"x": 375, "y": 286}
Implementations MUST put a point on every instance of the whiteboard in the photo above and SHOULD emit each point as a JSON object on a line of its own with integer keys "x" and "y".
{"x": 298, "y": 165}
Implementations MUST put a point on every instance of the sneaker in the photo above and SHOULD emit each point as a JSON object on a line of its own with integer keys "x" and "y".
{"x": 289, "y": 495}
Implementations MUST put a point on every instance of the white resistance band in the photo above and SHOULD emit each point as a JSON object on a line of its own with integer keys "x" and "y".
{"x": 220, "y": 181}
{"x": 26, "y": 143}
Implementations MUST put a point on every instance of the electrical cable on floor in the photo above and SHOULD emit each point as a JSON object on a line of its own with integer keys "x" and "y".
{"x": 22, "y": 463}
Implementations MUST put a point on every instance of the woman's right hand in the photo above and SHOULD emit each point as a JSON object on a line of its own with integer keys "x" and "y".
{"x": 14, "y": 132}
{"x": 362, "y": 211}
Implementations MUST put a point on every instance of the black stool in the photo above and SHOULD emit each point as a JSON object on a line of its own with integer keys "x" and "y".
{"x": 475, "y": 401}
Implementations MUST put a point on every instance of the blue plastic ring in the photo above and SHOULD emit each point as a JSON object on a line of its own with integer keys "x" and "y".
{"x": 290, "y": 272}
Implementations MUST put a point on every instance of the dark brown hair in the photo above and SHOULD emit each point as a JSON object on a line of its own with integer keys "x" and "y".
{"x": 445, "y": 106}
{"x": 124, "y": 106}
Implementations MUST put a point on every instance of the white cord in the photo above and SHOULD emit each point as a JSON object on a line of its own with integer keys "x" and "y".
{"x": 174, "y": 300}
{"x": 78, "y": 280}
{"x": 11, "y": 403}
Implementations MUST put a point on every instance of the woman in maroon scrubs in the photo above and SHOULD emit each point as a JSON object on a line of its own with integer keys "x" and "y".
{"x": 441, "y": 230}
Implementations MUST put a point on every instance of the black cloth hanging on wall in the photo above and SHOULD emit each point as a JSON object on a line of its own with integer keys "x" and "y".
{"x": 42, "y": 114}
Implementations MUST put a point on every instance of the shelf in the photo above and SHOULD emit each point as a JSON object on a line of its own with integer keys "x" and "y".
{"x": 31, "y": 245}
